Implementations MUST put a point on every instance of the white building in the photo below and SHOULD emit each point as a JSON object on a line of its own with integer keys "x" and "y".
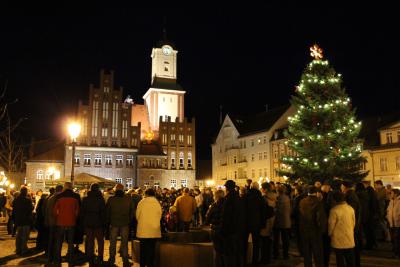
{"x": 243, "y": 148}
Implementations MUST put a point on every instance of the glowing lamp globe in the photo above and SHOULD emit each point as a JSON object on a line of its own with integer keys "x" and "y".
{"x": 74, "y": 130}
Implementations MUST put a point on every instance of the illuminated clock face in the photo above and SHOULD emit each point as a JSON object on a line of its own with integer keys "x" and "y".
{"x": 167, "y": 50}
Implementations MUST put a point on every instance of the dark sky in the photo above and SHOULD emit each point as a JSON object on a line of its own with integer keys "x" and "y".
{"x": 241, "y": 59}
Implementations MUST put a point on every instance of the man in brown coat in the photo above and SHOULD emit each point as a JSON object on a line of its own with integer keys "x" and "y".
{"x": 185, "y": 207}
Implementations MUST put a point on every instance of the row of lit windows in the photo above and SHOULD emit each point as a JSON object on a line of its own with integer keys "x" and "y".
{"x": 261, "y": 156}
{"x": 173, "y": 141}
{"x": 234, "y": 174}
{"x": 181, "y": 160}
{"x": 108, "y": 160}
{"x": 259, "y": 141}
{"x": 173, "y": 183}
{"x": 243, "y": 143}
{"x": 234, "y": 159}
{"x": 389, "y": 137}
{"x": 384, "y": 164}
{"x": 153, "y": 163}
{"x": 47, "y": 175}
{"x": 173, "y": 128}
{"x": 128, "y": 182}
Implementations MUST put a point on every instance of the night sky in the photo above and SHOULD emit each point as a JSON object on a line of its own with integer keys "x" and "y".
{"x": 241, "y": 59}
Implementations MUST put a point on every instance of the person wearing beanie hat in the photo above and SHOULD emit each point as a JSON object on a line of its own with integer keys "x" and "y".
{"x": 230, "y": 185}
{"x": 233, "y": 226}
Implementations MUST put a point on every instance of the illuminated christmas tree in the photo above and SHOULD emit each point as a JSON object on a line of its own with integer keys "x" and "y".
{"x": 323, "y": 132}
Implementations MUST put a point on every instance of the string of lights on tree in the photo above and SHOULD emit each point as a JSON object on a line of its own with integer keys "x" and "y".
{"x": 323, "y": 134}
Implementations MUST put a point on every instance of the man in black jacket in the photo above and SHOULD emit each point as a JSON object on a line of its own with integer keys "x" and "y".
{"x": 93, "y": 214}
{"x": 255, "y": 210}
{"x": 233, "y": 226}
{"x": 22, "y": 208}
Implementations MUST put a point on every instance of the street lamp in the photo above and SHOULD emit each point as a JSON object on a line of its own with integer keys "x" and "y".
{"x": 73, "y": 129}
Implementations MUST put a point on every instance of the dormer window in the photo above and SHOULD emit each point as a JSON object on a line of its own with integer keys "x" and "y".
{"x": 389, "y": 139}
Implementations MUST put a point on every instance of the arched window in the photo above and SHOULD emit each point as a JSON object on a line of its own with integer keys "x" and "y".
{"x": 172, "y": 159}
{"x": 39, "y": 175}
{"x": 181, "y": 160}
{"x": 189, "y": 160}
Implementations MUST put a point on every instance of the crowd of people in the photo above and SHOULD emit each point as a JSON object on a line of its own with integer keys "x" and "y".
{"x": 339, "y": 218}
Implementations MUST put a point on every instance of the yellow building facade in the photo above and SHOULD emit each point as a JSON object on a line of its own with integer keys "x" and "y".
{"x": 383, "y": 159}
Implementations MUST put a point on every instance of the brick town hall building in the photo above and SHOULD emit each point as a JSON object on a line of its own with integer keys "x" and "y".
{"x": 150, "y": 144}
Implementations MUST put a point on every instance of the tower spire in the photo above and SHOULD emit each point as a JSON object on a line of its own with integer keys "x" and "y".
{"x": 220, "y": 114}
{"x": 165, "y": 29}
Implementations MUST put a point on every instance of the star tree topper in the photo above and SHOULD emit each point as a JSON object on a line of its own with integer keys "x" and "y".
{"x": 316, "y": 52}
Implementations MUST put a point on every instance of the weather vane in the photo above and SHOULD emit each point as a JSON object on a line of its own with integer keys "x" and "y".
{"x": 316, "y": 52}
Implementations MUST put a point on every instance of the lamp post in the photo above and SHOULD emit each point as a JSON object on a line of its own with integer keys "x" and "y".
{"x": 74, "y": 129}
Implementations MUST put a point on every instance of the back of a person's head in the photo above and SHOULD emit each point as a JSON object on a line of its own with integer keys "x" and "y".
{"x": 360, "y": 187}
{"x": 94, "y": 187}
{"x": 23, "y": 191}
{"x": 370, "y": 190}
{"x": 59, "y": 188}
{"x": 219, "y": 194}
{"x": 396, "y": 192}
{"x": 348, "y": 184}
{"x": 249, "y": 181}
{"x": 336, "y": 184}
{"x": 312, "y": 189}
{"x": 150, "y": 192}
{"x": 230, "y": 185}
{"x": 52, "y": 190}
{"x": 119, "y": 187}
{"x": 325, "y": 188}
{"x": 281, "y": 189}
{"x": 242, "y": 190}
{"x": 186, "y": 190}
{"x": 266, "y": 186}
{"x": 255, "y": 185}
{"x": 338, "y": 196}
{"x": 67, "y": 185}
{"x": 378, "y": 182}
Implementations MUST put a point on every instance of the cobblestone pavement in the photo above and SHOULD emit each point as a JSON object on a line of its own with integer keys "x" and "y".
{"x": 377, "y": 258}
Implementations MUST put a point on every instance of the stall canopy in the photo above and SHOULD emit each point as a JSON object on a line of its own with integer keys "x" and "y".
{"x": 83, "y": 179}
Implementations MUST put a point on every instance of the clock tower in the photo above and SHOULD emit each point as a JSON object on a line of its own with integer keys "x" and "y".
{"x": 163, "y": 62}
{"x": 165, "y": 97}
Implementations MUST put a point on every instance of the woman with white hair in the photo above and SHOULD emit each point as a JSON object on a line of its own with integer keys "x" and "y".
{"x": 148, "y": 215}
